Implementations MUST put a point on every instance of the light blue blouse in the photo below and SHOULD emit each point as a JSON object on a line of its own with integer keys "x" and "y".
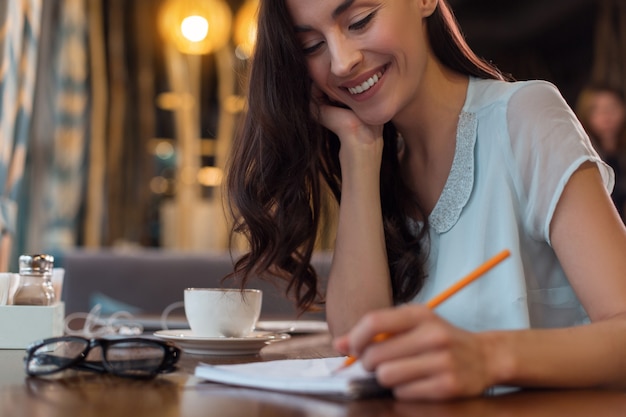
{"x": 517, "y": 146}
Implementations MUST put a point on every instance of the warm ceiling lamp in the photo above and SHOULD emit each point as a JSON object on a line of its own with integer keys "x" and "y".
{"x": 245, "y": 28}
{"x": 196, "y": 26}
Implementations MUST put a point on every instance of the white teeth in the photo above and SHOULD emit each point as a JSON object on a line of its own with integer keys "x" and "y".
{"x": 366, "y": 85}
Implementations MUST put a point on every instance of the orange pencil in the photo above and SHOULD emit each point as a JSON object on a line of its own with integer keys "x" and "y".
{"x": 462, "y": 283}
{"x": 437, "y": 300}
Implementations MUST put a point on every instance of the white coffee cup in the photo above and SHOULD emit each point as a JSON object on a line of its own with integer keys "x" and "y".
{"x": 222, "y": 312}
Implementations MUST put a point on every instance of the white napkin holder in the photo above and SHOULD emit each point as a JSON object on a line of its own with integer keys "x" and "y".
{"x": 21, "y": 325}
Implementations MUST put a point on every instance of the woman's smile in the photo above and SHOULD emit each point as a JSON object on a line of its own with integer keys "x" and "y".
{"x": 366, "y": 85}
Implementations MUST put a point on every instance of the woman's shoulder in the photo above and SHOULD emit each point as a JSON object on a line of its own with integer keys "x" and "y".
{"x": 486, "y": 93}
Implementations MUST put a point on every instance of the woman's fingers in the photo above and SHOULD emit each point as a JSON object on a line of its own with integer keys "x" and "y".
{"x": 427, "y": 336}
{"x": 424, "y": 355}
{"x": 392, "y": 322}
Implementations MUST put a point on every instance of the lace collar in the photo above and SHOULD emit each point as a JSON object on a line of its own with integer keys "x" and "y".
{"x": 460, "y": 181}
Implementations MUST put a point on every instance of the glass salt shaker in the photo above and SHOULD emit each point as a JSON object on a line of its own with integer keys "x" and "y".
{"x": 35, "y": 281}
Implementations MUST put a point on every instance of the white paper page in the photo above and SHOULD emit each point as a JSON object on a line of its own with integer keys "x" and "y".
{"x": 310, "y": 376}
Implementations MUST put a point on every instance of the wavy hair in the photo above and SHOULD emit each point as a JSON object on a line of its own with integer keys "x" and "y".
{"x": 282, "y": 161}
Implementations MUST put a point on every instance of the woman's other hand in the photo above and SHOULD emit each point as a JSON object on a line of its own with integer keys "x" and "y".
{"x": 426, "y": 358}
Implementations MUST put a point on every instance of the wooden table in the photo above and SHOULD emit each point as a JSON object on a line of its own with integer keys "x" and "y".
{"x": 181, "y": 394}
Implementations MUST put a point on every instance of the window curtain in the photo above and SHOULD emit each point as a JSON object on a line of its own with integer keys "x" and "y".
{"x": 19, "y": 37}
{"x": 88, "y": 169}
{"x": 52, "y": 198}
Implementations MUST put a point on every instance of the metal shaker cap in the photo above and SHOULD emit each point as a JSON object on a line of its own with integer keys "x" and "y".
{"x": 39, "y": 263}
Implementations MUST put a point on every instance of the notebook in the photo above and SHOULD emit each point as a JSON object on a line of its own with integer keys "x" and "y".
{"x": 303, "y": 376}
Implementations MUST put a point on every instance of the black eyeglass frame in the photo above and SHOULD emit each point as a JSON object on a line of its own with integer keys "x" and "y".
{"x": 171, "y": 355}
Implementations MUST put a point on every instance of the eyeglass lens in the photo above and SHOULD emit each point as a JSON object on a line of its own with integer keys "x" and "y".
{"x": 55, "y": 356}
{"x": 134, "y": 358}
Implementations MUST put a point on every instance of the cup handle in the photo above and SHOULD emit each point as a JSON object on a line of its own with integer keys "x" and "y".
{"x": 166, "y": 312}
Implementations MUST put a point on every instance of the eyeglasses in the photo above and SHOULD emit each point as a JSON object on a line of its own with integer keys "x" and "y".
{"x": 136, "y": 357}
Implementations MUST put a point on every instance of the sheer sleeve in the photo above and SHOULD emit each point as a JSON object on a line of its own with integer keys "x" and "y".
{"x": 548, "y": 146}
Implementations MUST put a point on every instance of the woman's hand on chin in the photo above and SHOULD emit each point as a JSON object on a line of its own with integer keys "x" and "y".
{"x": 344, "y": 122}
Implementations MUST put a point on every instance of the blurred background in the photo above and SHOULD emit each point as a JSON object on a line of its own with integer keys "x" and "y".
{"x": 117, "y": 115}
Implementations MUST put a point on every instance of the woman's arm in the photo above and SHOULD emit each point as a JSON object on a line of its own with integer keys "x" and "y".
{"x": 431, "y": 359}
{"x": 589, "y": 239}
{"x": 359, "y": 279}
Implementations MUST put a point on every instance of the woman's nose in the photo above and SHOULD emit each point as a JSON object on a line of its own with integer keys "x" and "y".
{"x": 344, "y": 56}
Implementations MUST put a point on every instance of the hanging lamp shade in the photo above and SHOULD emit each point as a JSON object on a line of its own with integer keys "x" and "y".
{"x": 245, "y": 28}
{"x": 196, "y": 26}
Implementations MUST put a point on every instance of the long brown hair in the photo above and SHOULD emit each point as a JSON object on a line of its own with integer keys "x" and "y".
{"x": 282, "y": 160}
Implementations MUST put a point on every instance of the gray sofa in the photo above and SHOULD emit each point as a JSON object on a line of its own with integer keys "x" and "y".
{"x": 146, "y": 281}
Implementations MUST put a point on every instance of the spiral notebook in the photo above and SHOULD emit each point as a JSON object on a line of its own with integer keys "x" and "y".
{"x": 303, "y": 376}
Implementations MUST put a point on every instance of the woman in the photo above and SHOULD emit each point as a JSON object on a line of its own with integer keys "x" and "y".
{"x": 438, "y": 164}
{"x": 602, "y": 112}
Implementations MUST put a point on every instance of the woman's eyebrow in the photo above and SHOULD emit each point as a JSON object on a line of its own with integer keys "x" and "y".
{"x": 336, "y": 13}
{"x": 342, "y": 8}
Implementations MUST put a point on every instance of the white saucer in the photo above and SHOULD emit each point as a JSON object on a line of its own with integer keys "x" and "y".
{"x": 292, "y": 326}
{"x": 248, "y": 345}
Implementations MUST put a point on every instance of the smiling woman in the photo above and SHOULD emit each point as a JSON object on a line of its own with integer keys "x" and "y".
{"x": 438, "y": 161}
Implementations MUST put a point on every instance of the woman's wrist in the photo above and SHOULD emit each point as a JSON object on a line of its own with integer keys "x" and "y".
{"x": 499, "y": 357}
{"x": 361, "y": 154}
{"x": 360, "y": 167}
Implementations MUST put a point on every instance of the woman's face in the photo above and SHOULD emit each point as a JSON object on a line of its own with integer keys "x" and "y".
{"x": 607, "y": 116}
{"x": 366, "y": 54}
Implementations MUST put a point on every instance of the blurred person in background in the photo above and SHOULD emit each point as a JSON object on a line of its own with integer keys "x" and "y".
{"x": 602, "y": 111}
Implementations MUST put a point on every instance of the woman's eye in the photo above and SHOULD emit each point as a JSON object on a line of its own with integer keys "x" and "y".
{"x": 308, "y": 50}
{"x": 363, "y": 22}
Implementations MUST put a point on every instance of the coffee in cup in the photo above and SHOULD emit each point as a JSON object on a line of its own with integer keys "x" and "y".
{"x": 222, "y": 312}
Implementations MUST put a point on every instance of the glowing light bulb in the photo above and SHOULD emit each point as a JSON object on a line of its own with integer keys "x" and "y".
{"x": 194, "y": 28}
